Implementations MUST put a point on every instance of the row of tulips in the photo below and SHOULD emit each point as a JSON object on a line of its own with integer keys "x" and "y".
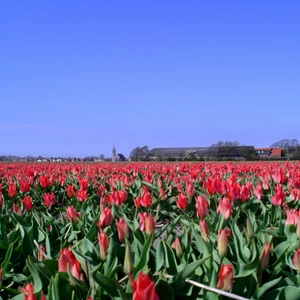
{"x": 150, "y": 231}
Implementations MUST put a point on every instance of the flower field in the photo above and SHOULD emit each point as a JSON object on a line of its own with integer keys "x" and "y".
{"x": 150, "y": 231}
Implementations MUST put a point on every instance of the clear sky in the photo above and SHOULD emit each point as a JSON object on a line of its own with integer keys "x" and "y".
{"x": 77, "y": 77}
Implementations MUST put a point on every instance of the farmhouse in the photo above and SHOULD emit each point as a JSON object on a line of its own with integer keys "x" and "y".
{"x": 236, "y": 152}
{"x": 268, "y": 152}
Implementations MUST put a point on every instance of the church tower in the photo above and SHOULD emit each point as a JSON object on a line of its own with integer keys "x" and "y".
{"x": 114, "y": 154}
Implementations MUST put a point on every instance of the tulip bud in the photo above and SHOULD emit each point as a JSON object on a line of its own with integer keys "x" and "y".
{"x": 249, "y": 232}
{"x": 298, "y": 229}
{"x": 296, "y": 260}
{"x": 149, "y": 224}
{"x": 202, "y": 207}
{"x": 265, "y": 255}
{"x": 123, "y": 230}
{"x": 67, "y": 260}
{"x": 222, "y": 243}
{"x": 225, "y": 278}
{"x": 177, "y": 246}
{"x": 128, "y": 266}
{"x": 41, "y": 253}
{"x": 204, "y": 230}
{"x": 162, "y": 195}
{"x": 106, "y": 218}
{"x": 103, "y": 244}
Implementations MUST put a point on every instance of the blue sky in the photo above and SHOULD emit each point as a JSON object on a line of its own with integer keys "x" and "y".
{"x": 77, "y": 77}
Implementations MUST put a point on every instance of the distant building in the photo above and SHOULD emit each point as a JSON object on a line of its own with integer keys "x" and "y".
{"x": 117, "y": 157}
{"x": 236, "y": 152}
{"x": 268, "y": 152}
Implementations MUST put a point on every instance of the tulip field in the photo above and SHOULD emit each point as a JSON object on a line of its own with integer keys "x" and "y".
{"x": 150, "y": 230}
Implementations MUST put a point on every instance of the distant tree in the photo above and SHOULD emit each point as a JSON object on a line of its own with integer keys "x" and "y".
{"x": 285, "y": 143}
{"x": 102, "y": 156}
{"x": 288, "y": 146}
{"x": 191, "y": 155}
{"x": 224, "y": 149}
{"x": 140, "y": 153}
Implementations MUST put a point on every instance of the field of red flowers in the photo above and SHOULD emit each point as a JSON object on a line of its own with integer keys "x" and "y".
{"x": 150, "y": 231}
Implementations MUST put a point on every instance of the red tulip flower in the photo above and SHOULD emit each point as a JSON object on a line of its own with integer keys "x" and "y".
{"x": 224, "y": 207}
{"x": 70, "y": 190}
{"x": 296, "y": 260}
{"x": 143, "y": 288}
{"x": 66, "y": 259}
{"x": 27, "y": 203}
{"x": 182, "y": 201}
{"x": 48, "y": 199}
{"x": 28, "y": 293}
{"x": 265, "y": 255}
{"x": 225, "y": 278}
{"x": 72, "y": 214}
{"x": 278, "y": 197}
{"x": 123, "y": 230}
{"x": 149, "y": 224}
{"x": 103, "y": 244}
{"x": 44, "y": 181}
{"x": 12, "y": 189}
{"x": 202, "y": 207}
{"x": 106, "y": 218}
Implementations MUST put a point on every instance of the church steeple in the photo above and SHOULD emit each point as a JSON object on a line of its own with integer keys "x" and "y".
{"x": 114, "y": 154}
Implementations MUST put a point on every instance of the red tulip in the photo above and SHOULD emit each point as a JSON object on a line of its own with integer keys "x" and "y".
{"x": 203, "y": 230}
{"x": 142, "y": 217}
{"x": 123, "y": 230}
{"x": 28, "y": 293}
{"x": 17, "y": 209}
{"x": 44, "y": 181}
{"x": 40, "y": 255}
{"x": 177, "y": 246}
{"x": 48, "y": 199}
{"x": 258, "y": 191}
{"x": 189, "y": 189}
{"x": 225, "y": 278}
{"x": 103, "y": 244}
{"x": 24, "y": 185}
{"x": 83, "y": 183}
{"x": 146, "y": 200}
{"x": 137, "y": 201}
{"x": 143, "y": 288}
{"x": 224, "y": 208}
{"x": 27, "y": 202}
{"x": 106, "y": 218}
{"x": 245, "y": 193}
{"x": 182, "y": 201}
{"x": 202, "y": 207}
{"x": 72, "y": 214}
{"x": 81, "y": 195}
{"x": 162, "y": 195}
{"x": 70, "y": 190}
{"x": 278, "y": 197}
{"x": 265, "y": 255}
{"x": 296, "y": 260}
{"x": 223, "y": 241}
{"x": 66, "y": 259}
{"x": 292, "y": 217}
{"x": 12, "y": 189}
{"x": 149, "y": 224}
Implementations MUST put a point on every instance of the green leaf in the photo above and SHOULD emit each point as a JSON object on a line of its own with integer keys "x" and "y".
{"x": 144, "y": 255}
{"x": 164, "y": 290}
{"x": 109, "y": 285}
{"x": 187, "y": 271}
{"x": 290, "y": 293}
{"x": 160, "y": 256}
{"x": 171, "y": 264}
{"x": 263, "y": 289}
